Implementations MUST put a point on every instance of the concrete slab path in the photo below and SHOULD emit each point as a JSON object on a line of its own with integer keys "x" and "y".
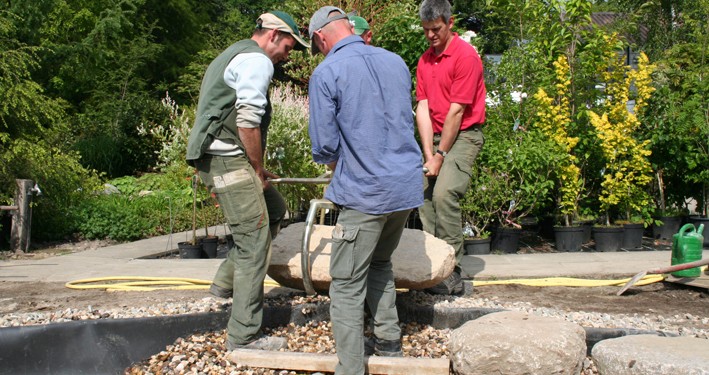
{"x": 134, "y": 259}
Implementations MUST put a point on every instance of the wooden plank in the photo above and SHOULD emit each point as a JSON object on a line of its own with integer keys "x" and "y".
{"x": 701, "y": 282}
{"x": 22, "y": 218}
{"x": 326, "y": 362}
{"x": 8, "y": 208}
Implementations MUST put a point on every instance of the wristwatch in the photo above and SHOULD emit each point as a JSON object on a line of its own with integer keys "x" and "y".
{"x": 442, "y": 153}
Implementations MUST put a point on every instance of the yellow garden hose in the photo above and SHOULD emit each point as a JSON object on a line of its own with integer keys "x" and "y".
{"x": 143, "y": 283}
{"x": 569, "y": 281}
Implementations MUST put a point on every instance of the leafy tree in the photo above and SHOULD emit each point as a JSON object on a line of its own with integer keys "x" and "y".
{"x": 177, "y": 26}
{"x": 627, "y": 170}
{"x": 678, "y": 116}
{"x": 31, "y": 132}
{"x": 26, "y": 110}
{"x": 401, "y": 33}
{"x": 555, "y": 122}
{"x": 493, "y": 20}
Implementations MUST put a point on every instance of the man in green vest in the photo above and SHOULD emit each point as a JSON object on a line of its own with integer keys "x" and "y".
{"x": 226, "y": 147}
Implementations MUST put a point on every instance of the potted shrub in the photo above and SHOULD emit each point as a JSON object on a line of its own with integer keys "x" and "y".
{"x": 627, "y": 171}
{"x": 209, "y": 242}
{"x": 478, "y": 209}
{"x": 679, "y": 117}
{"x": 632, "y": 232}
{"x": 192, "y": 249}
{"x": 517, "y": 165}
{"x": 554, "y": 121}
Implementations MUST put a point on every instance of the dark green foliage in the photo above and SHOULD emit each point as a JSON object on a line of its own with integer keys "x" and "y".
{"x": 496, "y": 28}
{"x": 78, "y": 78}
{"x": 117, "y": 217}
{"x": 677, "y": 117}
{"x": 147, "y": 206}
{"x": 63, "y": 181}
{"x": 402, "y": 34}
{"x": 514, "y": 171}
{"x": 25, "y": 110}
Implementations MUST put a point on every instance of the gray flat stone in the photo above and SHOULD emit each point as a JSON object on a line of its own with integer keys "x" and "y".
{"x": 513, "y": 342}
{"x": 652, "y": 355}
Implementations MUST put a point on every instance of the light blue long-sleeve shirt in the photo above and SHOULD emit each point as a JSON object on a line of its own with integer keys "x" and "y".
{"x": 361, "y": 118}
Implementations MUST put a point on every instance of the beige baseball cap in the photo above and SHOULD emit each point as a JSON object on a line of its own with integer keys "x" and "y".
{"x": 282, "y": 21}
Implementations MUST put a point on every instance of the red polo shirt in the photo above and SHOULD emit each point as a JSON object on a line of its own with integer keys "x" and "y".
{"x": 454, "y": 76}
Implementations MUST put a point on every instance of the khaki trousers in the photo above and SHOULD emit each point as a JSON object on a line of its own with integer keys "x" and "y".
{"x": 440, "y": 213}
{"x": 254, "y": 216}
{"x": 360, "y": 267}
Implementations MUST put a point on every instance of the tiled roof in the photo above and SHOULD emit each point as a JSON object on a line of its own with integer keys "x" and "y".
{"x": 610, "y": 19}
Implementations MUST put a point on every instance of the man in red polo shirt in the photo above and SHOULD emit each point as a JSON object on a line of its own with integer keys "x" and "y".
{"x": 451, "y": 110}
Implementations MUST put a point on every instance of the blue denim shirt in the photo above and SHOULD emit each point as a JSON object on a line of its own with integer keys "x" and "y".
{"x": 361, "y": 118}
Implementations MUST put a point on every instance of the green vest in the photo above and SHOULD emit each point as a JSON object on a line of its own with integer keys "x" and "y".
{"x": 216, "y": 114}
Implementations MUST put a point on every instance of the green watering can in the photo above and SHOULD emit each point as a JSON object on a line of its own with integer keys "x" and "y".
{"x": 687, "y": 247}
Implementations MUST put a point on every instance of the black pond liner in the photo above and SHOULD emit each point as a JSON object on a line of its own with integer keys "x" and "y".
{"x": 109, "y": 346}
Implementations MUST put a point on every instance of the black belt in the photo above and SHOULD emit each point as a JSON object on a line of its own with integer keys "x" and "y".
{"x": 475, "y": 127}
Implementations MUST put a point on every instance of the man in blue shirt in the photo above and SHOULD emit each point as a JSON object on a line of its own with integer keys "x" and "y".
{"x": 361, "y": 126}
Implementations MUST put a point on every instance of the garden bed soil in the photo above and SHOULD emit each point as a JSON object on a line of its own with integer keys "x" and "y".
{"x": 663, "y": 298}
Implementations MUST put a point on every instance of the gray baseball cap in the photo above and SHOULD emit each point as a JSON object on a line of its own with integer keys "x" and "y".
{"x": 320, "y": 19}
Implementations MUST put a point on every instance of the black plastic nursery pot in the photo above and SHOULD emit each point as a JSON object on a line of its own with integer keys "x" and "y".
{"x": 109, "y": 346}
{"x": 697, "y": 221}
{"x": 608, "y": 238}
{"x": 633, "y": 236}
{"x": 189, "y": 251}
{"x": 670, "y": 225}
{"x": 569, "y": 239}
{"x": 477, "y": 246}
{"x": 209, "y": 246}
{"x": 506, "y": 239}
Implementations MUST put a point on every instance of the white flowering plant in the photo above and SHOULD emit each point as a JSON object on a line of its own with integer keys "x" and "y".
{"x": 171, "y": 135}
{"x": 288, "y": 152}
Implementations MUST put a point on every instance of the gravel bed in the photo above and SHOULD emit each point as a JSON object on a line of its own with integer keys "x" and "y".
{"x": 684, "y": 324}
{"x": 205, "y": 353}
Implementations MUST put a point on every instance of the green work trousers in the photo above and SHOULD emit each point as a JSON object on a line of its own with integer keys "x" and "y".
{"x": 440, "y": 213}
{"x": 360, "y": 267}
{"x": 254, "y": 216}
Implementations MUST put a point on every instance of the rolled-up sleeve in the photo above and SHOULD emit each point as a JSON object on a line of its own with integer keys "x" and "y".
{"x": 323, "y": 126}
{"x": 249, "y": 74}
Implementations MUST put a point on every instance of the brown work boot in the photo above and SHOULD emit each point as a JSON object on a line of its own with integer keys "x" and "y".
{"x": 218, "y": 291}
{"x": 453, "y": 285}
{"x": 382, "y": 348}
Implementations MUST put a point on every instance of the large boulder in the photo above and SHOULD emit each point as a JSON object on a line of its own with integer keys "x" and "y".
{"x": 513, "y": 342}
{"x": 420, "y": 261}
{"x": 652, "y": 355}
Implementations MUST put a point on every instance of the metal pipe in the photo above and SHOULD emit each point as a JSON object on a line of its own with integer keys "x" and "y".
{"x": 315, "y": 206}
{"x": 300, "y": 180}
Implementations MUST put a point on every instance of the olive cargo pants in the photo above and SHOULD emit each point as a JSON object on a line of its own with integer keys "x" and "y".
{"x": 254, "y": 216}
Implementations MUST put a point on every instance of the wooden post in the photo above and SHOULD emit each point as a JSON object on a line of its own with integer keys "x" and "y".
{"x": 22, "y": 217}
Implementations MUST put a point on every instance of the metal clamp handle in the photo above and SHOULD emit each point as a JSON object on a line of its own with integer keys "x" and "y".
{"x": 306, "y": 269}
{"x": 300, "y": 180}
